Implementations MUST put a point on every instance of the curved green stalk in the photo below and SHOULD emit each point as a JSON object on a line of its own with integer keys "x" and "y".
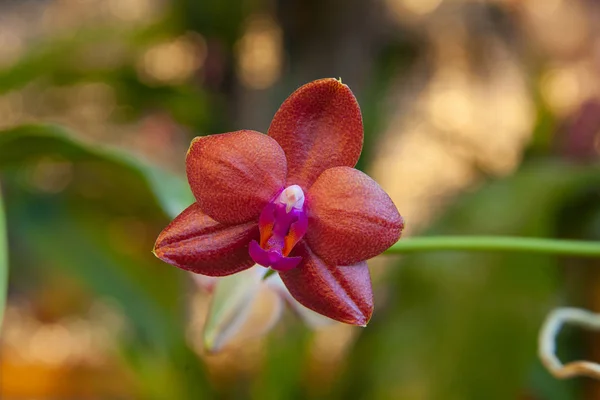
{"x": 497, "y": 244}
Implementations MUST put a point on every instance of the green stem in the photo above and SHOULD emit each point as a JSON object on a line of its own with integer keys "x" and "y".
{"x": 497, "y": 243}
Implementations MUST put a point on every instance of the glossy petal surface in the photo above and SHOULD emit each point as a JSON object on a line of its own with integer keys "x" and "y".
{"x": 351, "y": 218}
{"x": 341, "y": 293}
{"x": 195, "y": 242}
{"x": 234, "y": 175}
{"x": 319, "y": 126}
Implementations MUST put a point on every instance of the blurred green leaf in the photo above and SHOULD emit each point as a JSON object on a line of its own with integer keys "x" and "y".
{"x": 283, "y": 376}
{"x": 85, "y": 229}
{"x": 454, "y": 325}
{"x": 3, "y": 260}
{"x": 221, "y": 19}
{"x": 63, "y": 240}
{"x": 28, "y": 143}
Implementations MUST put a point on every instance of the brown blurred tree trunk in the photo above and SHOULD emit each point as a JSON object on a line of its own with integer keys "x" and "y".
{"x": 329, "y": 38}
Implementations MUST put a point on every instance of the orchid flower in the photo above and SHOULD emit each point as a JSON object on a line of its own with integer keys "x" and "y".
{"x": 290, "y": 201}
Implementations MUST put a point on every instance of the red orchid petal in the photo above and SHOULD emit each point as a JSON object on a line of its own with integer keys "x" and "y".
{"x": 350, "y": 217}
{"x": 234, "y": 175}
{"x": 319, "y": 126}
{"x": 195, "y": 242}
{"x": 340, "y": 293}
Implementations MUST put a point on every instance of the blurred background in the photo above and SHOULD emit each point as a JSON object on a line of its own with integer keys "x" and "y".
{"x": 481, "y": 117}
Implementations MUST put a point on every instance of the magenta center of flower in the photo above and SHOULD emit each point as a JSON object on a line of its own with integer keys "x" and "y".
{"x": 282, "y": 224}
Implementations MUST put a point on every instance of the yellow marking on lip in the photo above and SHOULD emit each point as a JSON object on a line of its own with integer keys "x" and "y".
{"x": 266, "y": 232}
